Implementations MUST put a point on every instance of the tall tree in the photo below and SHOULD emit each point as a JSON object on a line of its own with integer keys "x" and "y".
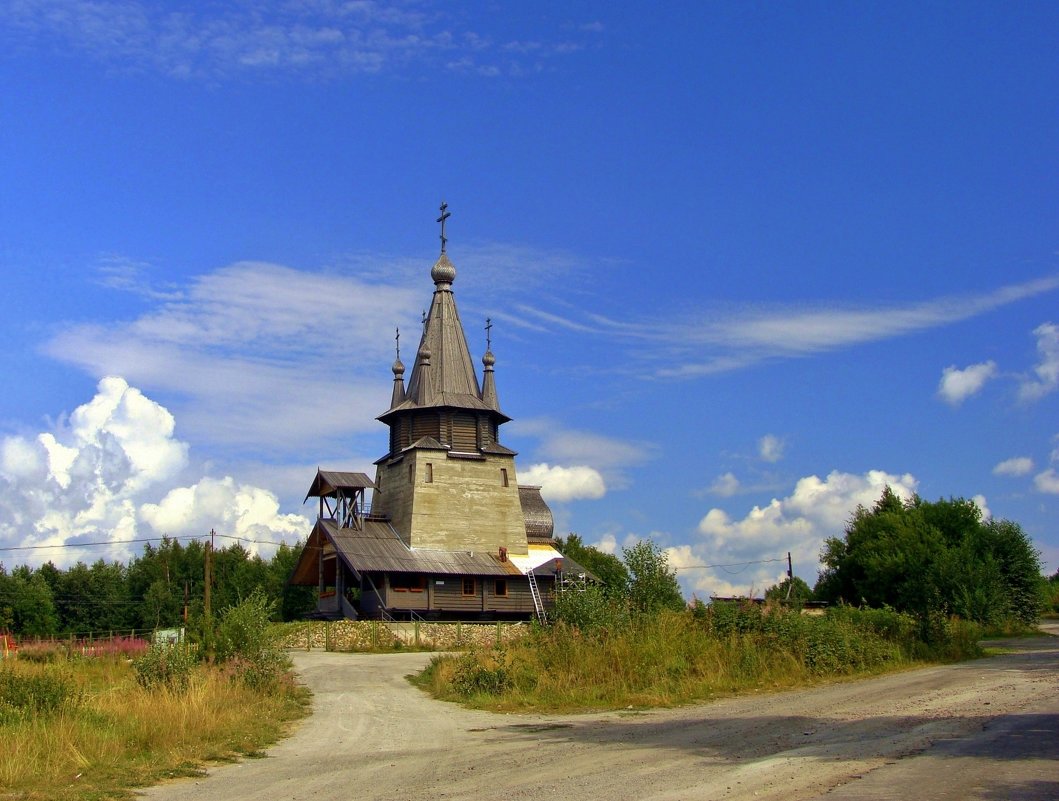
{"x": 933, "y": 557}
{"x": 652, "y": 583}
{"x": 607, "y": 567}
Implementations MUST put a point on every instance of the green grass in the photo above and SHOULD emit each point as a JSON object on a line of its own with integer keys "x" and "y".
{"x": 677, "y": 658}
{"x": 102, "y": 734}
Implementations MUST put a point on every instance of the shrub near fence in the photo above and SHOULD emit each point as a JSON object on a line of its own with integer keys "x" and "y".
{"x": 376, "y": 635}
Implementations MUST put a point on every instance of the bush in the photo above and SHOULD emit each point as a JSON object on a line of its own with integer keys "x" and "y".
{"x": 25, "y": 694}
{"x": 590, "y": 609}
{"x": 164, "y": 665}
{"x": 476, "y": 673}
{"x": 246, "y": 643}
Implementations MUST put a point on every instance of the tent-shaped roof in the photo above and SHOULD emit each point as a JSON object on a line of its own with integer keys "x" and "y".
{"x": 328, "y": 483}
{"x": 443, "y": 374}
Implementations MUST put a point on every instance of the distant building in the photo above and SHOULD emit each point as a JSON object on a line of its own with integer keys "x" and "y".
{"x": 447, "y": 532}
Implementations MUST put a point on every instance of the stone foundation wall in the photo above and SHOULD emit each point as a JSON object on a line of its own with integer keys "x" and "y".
{"x": 375, "y": 635}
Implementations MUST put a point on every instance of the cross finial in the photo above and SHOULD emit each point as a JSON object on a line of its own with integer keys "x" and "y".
{"x": 424, "y": 318}
{"x": 398, "y": 340}
{"x": 488, "y": 334}
{"x": 445, "y": 214}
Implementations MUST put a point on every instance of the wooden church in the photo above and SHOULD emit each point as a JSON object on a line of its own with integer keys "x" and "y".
{"x": 444, "y": 531}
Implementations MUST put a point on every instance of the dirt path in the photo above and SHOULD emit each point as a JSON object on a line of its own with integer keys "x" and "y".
{"x": 987, "y": 729}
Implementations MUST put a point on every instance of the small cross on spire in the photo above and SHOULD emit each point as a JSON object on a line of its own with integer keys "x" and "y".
{"x": 445, "y": 214}
{"x": 488, "y": 334}
{"x": 398, "y": 340}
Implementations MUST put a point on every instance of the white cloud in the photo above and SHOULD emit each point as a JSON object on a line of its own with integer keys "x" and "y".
{"x": 610, "y": 456}
{"x": 720, "y": 341}
{"x": 1047, "y": 370}
{"x": 565, "y": 483}
{"x": 608, "y": 543}
{"x": 1016, "y": 466}
{"x": 799, "y": 523}
{"x": 1047, "y": 482}
{"x": 725, "y": 485}
{"x": 98, "y": 476}
{"x": 275, "y": 328}
{"x": 770, "y": 448}
{"x": 320, "y": 37}
{"x": 234, "y": 509}
{"x": 957, "y": 385}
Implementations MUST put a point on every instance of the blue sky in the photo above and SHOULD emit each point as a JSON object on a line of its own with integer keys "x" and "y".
{"x": 746, "y": 263}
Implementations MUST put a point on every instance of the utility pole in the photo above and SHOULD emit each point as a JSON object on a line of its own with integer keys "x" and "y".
{"x": 790, "y": 576}
{"x": 207, "y": 618}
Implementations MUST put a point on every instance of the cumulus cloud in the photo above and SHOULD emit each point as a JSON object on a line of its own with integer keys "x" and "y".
{"x": 770, "y": 448}
{"x": 1016, "y": 466}
{"x": 1047, "y": 370}
{"x": 111, "y": 472}
{"x": 957, "y": 385}
{"x": 565, "y": 483}
{"x": 237, "y": 509}
{"x": 799, "y": 523}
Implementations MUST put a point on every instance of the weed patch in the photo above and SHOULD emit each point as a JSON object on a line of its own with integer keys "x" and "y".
{"x": 671, "y": 658}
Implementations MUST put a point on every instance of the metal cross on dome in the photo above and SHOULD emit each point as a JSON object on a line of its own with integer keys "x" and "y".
{"x": 445, "y": 214}
{"x": 488, "y": 334}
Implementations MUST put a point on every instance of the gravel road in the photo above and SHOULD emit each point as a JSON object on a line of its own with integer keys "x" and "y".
{"x": 987, "y": 729}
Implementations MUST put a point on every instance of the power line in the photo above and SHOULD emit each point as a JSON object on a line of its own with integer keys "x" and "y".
{"x": 109, "y": 543}
{"x": 731, "y": 564}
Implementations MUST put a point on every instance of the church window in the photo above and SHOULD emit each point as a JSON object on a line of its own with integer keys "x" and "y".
{"x": 503, "y": 477}
{"x": 501, "y": 588}
{"x": 411, "y": 474}
{"x": 468, "y": 586}
{"x": 430, "y": 473}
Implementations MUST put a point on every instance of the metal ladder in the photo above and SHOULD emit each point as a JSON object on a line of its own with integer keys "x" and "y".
{"x": 535, "y": 593}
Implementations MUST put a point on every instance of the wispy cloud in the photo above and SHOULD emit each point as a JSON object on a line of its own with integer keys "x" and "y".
{"x": 256, "y": 353}
{"x": 725, "y": 341}
{"x": 608, "y": 456}
{"x": 771, "y": 448}
{"x": 321, "y": 37}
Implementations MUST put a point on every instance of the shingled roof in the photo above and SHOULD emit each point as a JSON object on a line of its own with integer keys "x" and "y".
{"x": 443, "y": 374}
{"x": 377, "y": 548}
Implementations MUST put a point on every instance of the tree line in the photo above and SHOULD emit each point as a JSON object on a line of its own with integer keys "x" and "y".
{"x": 930, "y": 559}
{"x": 164, "y": 587}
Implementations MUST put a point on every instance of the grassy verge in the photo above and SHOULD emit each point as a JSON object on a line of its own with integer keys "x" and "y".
{"x": 675, "y": 658}
{"x": 87, "y": 730}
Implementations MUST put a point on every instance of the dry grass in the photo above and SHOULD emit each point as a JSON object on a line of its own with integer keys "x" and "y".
{"x": 121, "y": 736}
